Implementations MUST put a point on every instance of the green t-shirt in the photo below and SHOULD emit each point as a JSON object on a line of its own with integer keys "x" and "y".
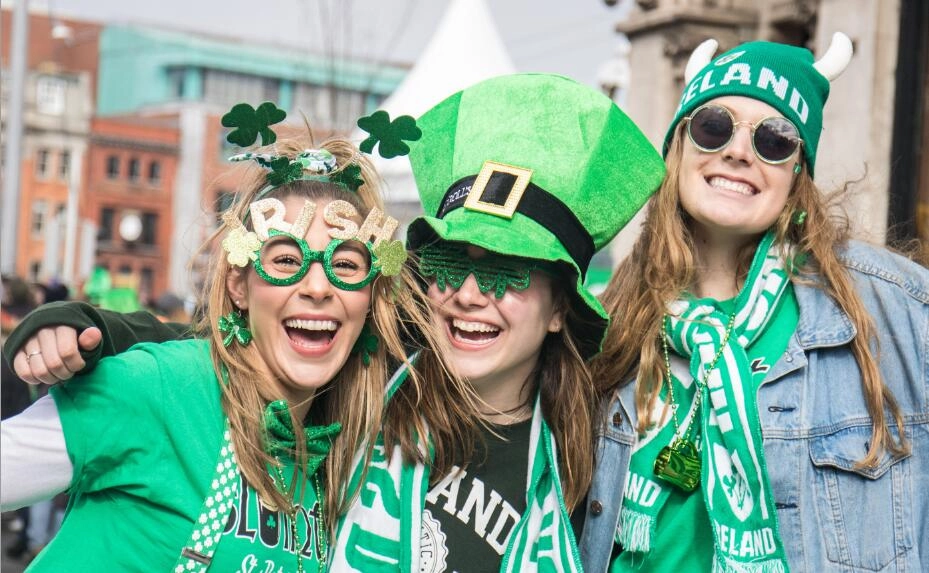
{"x": 683, "y": 539}
{"x": 143, "y": 432}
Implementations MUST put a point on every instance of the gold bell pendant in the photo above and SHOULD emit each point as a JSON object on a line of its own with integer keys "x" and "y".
{"x": 679, "y": 464}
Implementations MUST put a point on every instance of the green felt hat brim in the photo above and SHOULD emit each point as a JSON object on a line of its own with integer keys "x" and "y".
{"x": 534, "y": 242}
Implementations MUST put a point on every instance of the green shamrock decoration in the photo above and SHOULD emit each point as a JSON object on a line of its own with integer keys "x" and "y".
{"x": 283, "y": 170}
{"x": 350, "y": 176}
{"x": 235, "y": 326}
{"x": 271, "y": 522}
{"x": 390, "y": 134}
{"x": 391, "y": 255}
{"x": 366, "y": 345}
{"x": 251, "y": 123}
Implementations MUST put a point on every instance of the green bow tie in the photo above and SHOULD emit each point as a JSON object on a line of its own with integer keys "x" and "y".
{"x": 281, "y": 438}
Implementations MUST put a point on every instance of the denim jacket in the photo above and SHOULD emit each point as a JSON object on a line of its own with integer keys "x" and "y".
{"x": 832, "y": 516}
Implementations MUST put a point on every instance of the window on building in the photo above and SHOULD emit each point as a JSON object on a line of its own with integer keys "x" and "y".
{"x": 135, "y": 169}
{"x": 227, "y": 88}
{"x": 42, "y": 163}
{"x": 226, "y": 149}
{"x": 35, "y": 269}
{"x": 146, "y": 280}
{"x": 272, "y": 89}
{"x": 50, "y": 95}
{"x": 316, "y": 102}
{"x": 176, "y": 82}
{"x": 64, "y": 165}
{"x": 105, "y": 232}
{"x": 39, "y": 214}
{"x": 112, "y": 167}
{"x": 154, "y": 173}
{"x": 149, "y": 229}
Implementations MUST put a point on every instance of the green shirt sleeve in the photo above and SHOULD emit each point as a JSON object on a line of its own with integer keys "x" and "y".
{"x": 120, "y": 331}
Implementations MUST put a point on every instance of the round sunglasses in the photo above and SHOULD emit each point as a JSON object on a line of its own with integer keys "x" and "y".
{"x": 711, "y": 127}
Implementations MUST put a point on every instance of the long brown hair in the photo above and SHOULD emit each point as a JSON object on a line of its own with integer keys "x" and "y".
{"x": 661, "y": 267}
{"x": 355, "y": 397}
{"x": 569, "y": 400}
{"x": 451, "y": 408}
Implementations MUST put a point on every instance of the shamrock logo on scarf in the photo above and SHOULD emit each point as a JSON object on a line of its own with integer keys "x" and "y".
{"x": 736, "y": 486}
{"x": 366, "y": 345}
{"x": 390, "y": 134}
{"x": 250, "y": 123}
{"x": 350, "y": 176}
{"x": 391, "y": 255}
{"x": 283, "y": 170}
{"x": 234, "y": 325}
{"x": 241, "y": 245}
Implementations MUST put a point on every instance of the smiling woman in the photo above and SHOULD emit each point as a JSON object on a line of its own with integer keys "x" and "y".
{"x": 237, "y": 447}
{"x": 765, "y": 373}
{"x": 511, "y": 173}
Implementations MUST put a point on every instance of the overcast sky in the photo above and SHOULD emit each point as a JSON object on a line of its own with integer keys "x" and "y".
{"x": 572, "y": 38}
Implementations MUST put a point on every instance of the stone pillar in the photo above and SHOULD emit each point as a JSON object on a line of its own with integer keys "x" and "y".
{"x": 662, "y": 35}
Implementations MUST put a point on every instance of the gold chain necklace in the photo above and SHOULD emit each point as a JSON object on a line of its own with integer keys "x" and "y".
{"x": 323, "y": 539}
{"x": 679, "y": 462}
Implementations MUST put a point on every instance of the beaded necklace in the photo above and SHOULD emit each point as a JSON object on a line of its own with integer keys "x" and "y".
{"x": 323, "y": 537}
{"x": 679, "y": 462}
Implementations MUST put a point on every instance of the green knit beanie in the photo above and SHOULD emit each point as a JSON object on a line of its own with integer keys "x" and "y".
{"x": 782, "y": 76}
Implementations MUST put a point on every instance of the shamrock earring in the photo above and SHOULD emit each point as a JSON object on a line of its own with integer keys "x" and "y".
{"x": 366, "y": 345}
{"x": 235, "y": 326}
{"x": 797, "y": 168}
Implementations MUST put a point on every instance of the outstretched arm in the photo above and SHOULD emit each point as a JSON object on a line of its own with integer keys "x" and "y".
{"x": 61, "y": 339}
{"x": 33, "y": 439}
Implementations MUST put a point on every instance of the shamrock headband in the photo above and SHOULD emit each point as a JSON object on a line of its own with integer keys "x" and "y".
{"x": 251, "y": 123}
{"x": 267, "y": 214}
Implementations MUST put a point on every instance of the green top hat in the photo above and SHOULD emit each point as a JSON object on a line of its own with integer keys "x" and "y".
{"x": 535, "y": 166}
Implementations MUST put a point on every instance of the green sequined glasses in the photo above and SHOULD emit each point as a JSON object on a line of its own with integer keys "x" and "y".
{"x": 284, "y": 260}
{"x": 450, "y": 264}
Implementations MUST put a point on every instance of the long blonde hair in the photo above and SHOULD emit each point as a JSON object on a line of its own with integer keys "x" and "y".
{"x": 661, "y": 267}
{"x": 355, "y": 397}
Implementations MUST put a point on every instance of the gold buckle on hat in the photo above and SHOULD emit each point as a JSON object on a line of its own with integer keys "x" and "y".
{"x": 506, "y": 210}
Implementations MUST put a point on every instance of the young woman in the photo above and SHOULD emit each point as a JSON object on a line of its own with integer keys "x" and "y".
{"x": 513, "y": 191}
{"x": 775, "y": 417}
{"x": 183, "y": 456}
{"x": 513, "y": 188}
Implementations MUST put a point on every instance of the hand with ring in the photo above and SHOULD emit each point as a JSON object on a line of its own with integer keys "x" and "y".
{"x": 53, "y": 354}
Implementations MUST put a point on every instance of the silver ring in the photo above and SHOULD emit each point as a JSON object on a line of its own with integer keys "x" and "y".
{"x": 29, "y": 355}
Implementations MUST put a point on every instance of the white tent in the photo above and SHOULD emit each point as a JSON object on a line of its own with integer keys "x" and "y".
{"x": 465, "y": 49}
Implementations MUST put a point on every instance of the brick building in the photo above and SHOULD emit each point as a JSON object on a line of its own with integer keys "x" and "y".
{"x": 131, "y": 167}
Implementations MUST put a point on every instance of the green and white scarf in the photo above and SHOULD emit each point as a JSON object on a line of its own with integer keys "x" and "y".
{"x": 382, "y": 529}
{"x": 734, "y": 478}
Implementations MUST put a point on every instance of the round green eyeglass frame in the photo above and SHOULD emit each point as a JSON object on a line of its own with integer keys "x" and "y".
{"x": 323, "y": 257}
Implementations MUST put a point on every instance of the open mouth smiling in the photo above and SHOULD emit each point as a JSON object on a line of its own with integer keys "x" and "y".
{"x": 311, "y": 333}
{"x": 472, "y": 332}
